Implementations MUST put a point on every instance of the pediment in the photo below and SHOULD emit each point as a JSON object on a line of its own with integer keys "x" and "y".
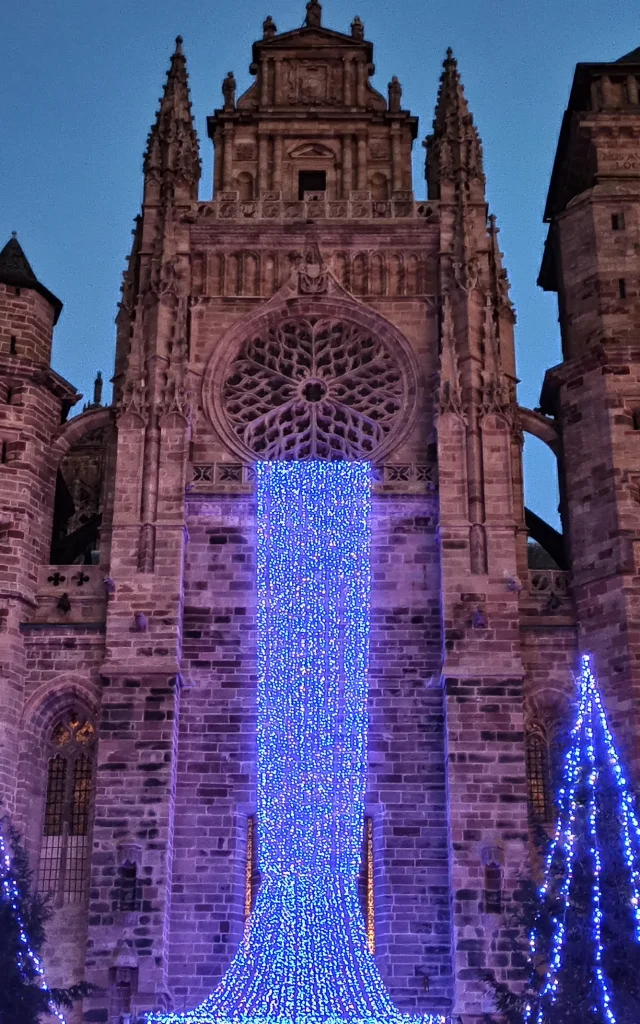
{"x": 312, "y": 149}
{"x": 306, "y": 38}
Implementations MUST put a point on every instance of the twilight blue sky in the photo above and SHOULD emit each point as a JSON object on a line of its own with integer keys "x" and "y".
{"x": 80, "y": 81}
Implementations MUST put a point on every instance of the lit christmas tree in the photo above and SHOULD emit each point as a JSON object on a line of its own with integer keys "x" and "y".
{"x": 584, "y": 920}
{"x": 24, "y": 994}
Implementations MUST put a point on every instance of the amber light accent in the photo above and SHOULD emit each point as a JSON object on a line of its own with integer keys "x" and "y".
{"x": 370, "y": 916}
{"x": 538, "y": 776}
{"x": 248, "y": 867}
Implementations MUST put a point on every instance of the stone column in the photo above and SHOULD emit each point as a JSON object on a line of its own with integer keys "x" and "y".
{"x": 347, "y": 165}
{"x": 227, "y": 157}
{"x": 263, "y": 164}
{"x": 278, "y": 144}
{"x": 396, "y": 158}
{"x": 362, "y": 161}
{"x": 361, "y": 76}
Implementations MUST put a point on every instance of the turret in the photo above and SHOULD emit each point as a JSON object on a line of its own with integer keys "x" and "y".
{"x": 34, "y": 401}
{"x": 29, "y": 311}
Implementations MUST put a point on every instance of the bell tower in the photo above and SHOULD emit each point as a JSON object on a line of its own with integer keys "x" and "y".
{"x": 312, "y": 126}
{"x": 590, "y": 260}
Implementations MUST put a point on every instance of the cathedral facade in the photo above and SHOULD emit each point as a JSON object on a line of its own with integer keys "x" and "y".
{"x": 313, "y": 309}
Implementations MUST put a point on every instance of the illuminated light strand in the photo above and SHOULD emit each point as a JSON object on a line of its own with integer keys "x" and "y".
{"x": 582, "y": 763}
{"x": 11, "y": 894}
{"x": 371, "y": 906}
{"x": 563, "y": 840}
{"x": 628, "y": 816}
{"x": 304, "y": 957}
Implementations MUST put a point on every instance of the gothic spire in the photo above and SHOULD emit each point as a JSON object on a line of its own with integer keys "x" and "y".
{"x": 172, "y": 156}
{"x": 454, "y": 150}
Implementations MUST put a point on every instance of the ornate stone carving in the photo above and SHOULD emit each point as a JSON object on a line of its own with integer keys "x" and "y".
{"x": 245, "y": 151}
{"x": 312, "y": 274}
{"x": 315, "y": 388}
{"x": 134, "y": 399}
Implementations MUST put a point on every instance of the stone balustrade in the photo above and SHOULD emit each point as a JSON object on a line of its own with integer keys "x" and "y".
{"x": 315, "y": 206}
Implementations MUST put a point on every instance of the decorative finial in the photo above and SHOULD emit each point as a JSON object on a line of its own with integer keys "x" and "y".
{"x": 14, "y": 234}
{"x": 178, "y": 44}
{"x": 97, "y": 389}
{"x": 357, "y": 29}
{"x": 269, "y": 28}
{"x": 449, "y": 53}
{"x": 314, "y": 14}
{"x": 229, "y": 91}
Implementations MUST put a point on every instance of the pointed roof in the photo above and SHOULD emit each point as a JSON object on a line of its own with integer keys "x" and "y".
{"x": 173, "y": 141}
{"x": 633, "y": 57}
{"x": 15, "y": 270}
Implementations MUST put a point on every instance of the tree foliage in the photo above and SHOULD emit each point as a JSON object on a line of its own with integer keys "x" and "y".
{"x": 22, "y": 997}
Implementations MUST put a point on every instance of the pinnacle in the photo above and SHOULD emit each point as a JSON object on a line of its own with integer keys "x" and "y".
{"x": 174, "y": 111}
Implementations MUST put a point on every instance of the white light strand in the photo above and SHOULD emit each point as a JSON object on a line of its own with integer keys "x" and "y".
{"x": 11, "y": 894}
{"x": 304, "y": 957}
{"x": 584, "y": 763}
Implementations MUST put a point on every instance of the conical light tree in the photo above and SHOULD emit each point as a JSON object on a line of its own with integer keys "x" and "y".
{"x": 585, "y": 937}
{"x": 24, "y": 994}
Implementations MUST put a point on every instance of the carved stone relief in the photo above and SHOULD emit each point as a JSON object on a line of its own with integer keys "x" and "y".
{"x": 362, "y": 273}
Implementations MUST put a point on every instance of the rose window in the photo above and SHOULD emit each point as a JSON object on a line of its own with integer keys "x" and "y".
{"x": 314, "y": 388}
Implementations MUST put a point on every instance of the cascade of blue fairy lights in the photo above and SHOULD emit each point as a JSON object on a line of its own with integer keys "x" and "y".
{"x": 581, "y": 764}
{"x": 304, "y": 957}
{"x": 11, "y": 894}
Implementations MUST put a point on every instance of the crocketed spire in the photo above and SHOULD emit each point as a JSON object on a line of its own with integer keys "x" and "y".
{"x": 454, "y": 150}
{"x": 172, "y": 156}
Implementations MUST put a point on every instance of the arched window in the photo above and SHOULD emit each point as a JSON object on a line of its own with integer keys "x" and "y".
{"x": 540, "y": 803}
{"x": 64, "y": 853}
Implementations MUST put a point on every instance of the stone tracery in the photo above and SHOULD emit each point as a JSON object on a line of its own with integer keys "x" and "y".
{"x": 314, "y": 387}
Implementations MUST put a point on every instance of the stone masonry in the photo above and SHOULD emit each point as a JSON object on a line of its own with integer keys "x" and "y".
{"x": 312, "y": 308}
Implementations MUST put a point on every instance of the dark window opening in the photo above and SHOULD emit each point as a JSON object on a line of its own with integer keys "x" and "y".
{"x": 311, "y": 181}
{"x": 3, "y": 452}
{"x": 622, "y": 287}
{"x": 128, "y": 900}
{"x": 617, "y": 221}
{"x": 636, "y": 419}
{"x": 493, "y": 889}
{"x": 9, "y": 396}
{"x": 13, "y": 342}
{"x": 18, "y": 291}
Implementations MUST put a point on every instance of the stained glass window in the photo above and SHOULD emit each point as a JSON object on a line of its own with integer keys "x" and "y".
{"x": 65, "y": 841}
